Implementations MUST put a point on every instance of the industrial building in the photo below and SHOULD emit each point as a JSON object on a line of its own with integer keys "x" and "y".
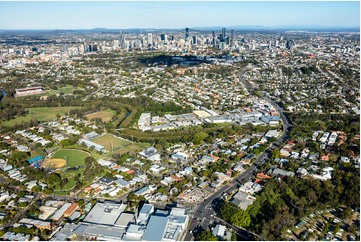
{"x": 89, "y": 144}
{"x": 21, "y": 92}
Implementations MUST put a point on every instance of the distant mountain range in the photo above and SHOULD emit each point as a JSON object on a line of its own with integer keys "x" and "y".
{"x": 311, "y": 28}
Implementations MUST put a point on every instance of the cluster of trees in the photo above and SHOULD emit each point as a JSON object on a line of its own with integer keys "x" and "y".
{"x": 92, "y": 169}
{"x": 69, "y": 141}
{"x": 219, "y": 166}
{"x": 234, "y": 215}
{"x": 165, "y": 59}
{"x": 281, "y": 204}
{"x": 308, "y": 69}
{"x": 199, "y": 137}
{"x": 11, "y": 110}
{"x": 18, "y": 159}
{"x": 205, "y": 235}
{"x": 197, "y": 134}
{"x": 308, "y": 123}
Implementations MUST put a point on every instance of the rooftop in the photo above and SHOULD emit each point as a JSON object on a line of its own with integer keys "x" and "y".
{"x": 156, "y": 228}
{"x": 105, "y": 213}
{"x": 102, "y": 232}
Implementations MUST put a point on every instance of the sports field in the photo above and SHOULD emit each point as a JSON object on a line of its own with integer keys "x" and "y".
{"x": 74, "y": 157}
{"x": 41, "y": 114}
{"x": 135, "y": 147}
{"x": 106, "y": 139}
{"x": 105, "y": 115}
{"x": 53, "y": 163}
{"x": 68, "y": 89}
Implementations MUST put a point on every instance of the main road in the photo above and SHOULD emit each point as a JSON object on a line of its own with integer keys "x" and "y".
{"x": 202, "y": 216}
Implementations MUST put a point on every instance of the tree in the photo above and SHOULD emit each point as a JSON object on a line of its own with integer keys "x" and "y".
{"x": 347, "y": 213}
{"x": 276, "y": 154}
{"x": 234, "y": 215}
{"x": 81, "y": 202}
{"x": 241, "y": 219}
{"x": 36, "y": 189}
{"x": 206, "y": 236}
{"x": 66, "y": 142}
{"x": 53, "y": 178}
{"x": 234, "y": 236}
{"x": 199, "y": 137}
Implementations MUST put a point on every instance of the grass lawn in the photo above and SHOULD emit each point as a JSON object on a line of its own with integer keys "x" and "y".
{"x": 105, "y": 115}
{"x": 71, "y": 181}
{"x": 41, "y": 114}
{"x": 105, "y": 140}
{"x": 132, "y": 148}
{"x": 68, "y": 89}
{"x": 75, "y": 157}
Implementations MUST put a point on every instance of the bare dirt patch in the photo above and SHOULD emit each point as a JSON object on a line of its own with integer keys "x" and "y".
{"x": 53, "y": 163}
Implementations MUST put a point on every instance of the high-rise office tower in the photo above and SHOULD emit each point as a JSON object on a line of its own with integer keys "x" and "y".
{"x": 195, "y": 40}
{"x": 232, "y": 38}
{"x": 81, "y": 49}
{"x": 116, "y": 43}
{"x": 223, "y": 33}
{"x": 289, "y": 44}
{"x": 150, "y": 39}
{"x": 214, "y": 38}
{"x": 122, "y": 40}
{"x": 163, "y": 38}
{"x": 187, "y": 33}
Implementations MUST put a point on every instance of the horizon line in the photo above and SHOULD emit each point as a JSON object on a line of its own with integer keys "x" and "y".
{"x": 259, "y": 27}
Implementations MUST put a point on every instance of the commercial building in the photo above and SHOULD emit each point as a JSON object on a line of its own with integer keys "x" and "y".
{"x": 144, "y": 214}
{"x": 71, "y": 210}
{"x": 36, "y": 223}
{"x": 105, "y": 213}
{"x": 59, "y": 214}
{"x": 46, "y": 212}
{"x": 155, "y": 228}
{"x": 134, "y": 233}
{"x": 125, "y": 219}
{"x": 99, "y": 232}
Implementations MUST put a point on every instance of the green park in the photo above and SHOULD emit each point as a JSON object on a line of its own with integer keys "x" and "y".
{"x": 73, "y": 157}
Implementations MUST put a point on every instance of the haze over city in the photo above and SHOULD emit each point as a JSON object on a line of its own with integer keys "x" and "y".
{"x": 123, "y": 15}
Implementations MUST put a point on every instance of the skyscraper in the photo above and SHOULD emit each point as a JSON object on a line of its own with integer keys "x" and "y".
{"x": 289, "y": 44}
{"x": 214, "y": 38}
{"x": 195, "y": 40}
{"x": 187, "y": 33}
{"x": 162, "y": 37}
{"x": 232, "y": 38}
{"x": 116, "y": 44}
{"x": 223, "y": 33}
{"x": 122, "y": 40}
{"x": 150, "y": 39}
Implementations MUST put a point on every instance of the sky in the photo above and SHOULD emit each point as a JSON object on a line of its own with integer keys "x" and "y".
{"x": 123, "y": 15}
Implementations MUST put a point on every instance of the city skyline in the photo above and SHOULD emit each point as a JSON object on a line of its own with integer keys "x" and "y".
{"x": 125, "y": 15}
